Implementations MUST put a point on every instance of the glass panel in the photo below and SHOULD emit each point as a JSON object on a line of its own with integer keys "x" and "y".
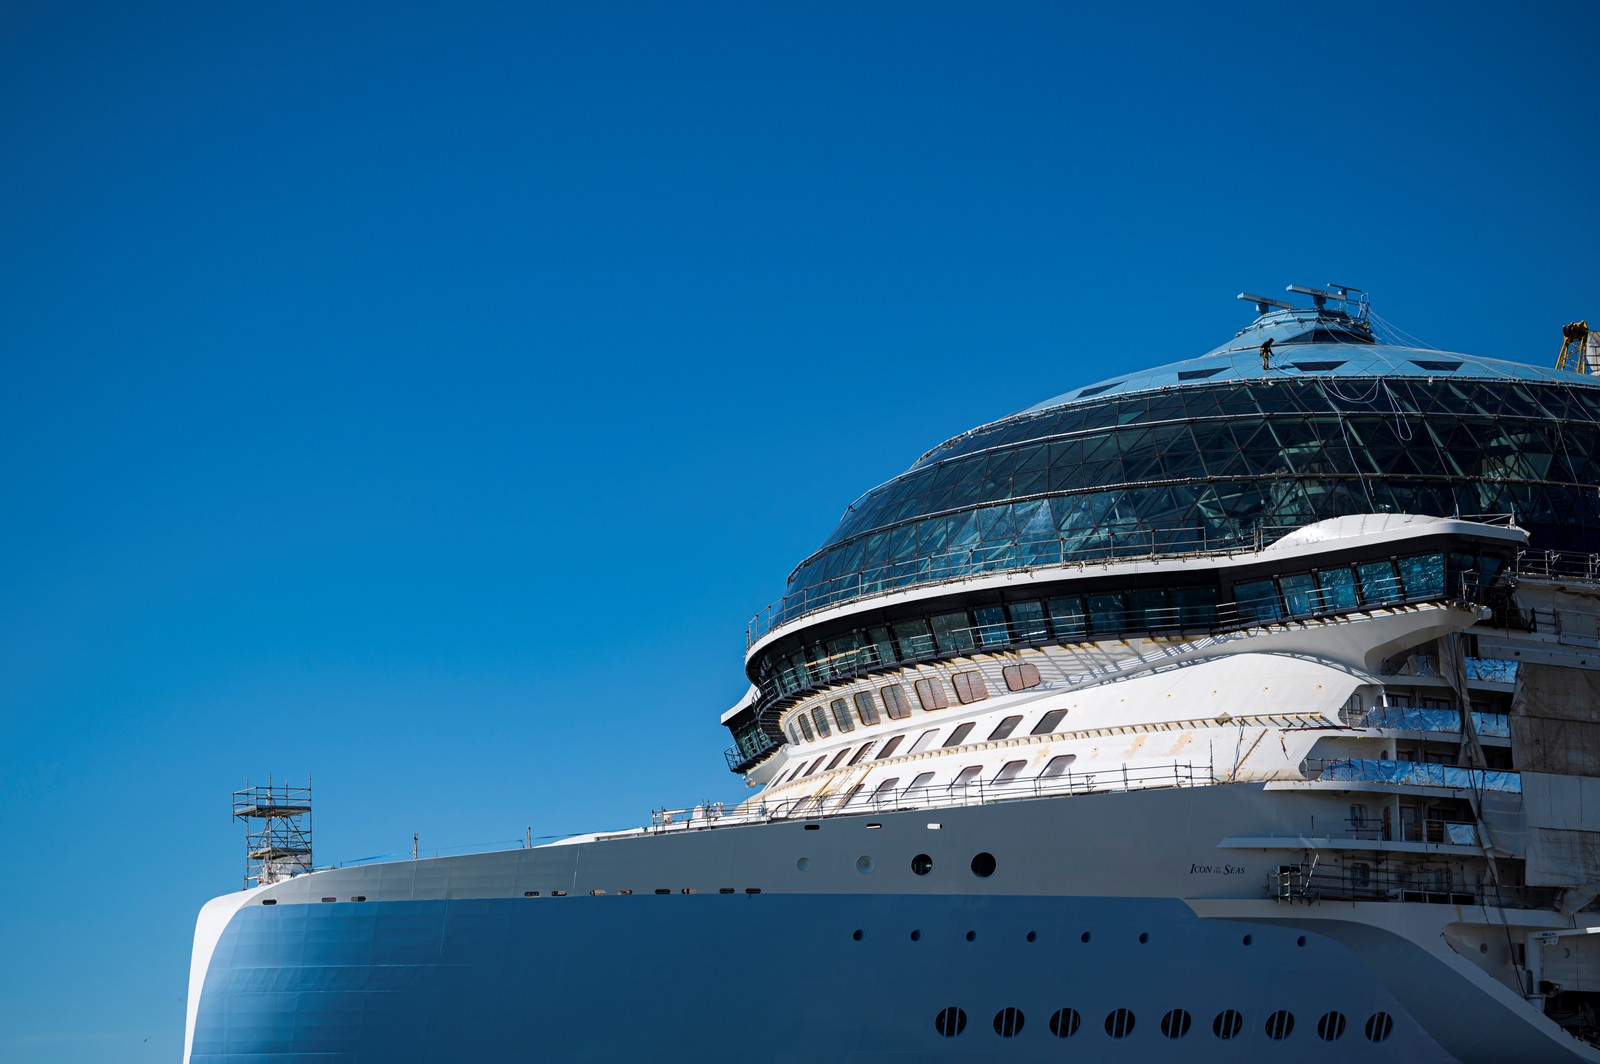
{"x": 865, "y": 709}
{"x": 1021, "y": 677}
{"x": 965, "y": 777}
{"x": 805, "y": 726}
{"x": 916, "y": 786}
{"x": 923, "y": 741}
{"x": 953, "y": 631}
{"x": 1257, "y": 601}
{"x": 890, "y": 747}
{"x": 1106, "y": 613}
{"x": 1300, "y": 593}
{"x": 992, "y": 626}
{"x": 882, "y": 646}
{"x": 914, "y": 640}
{"x": 1422, "y": 575}
{"x": 930, "y": 692}
{"x": 894, "y": 701}
{"x": 1196, "y": 607}
{"x": 1058, "y": 765}
{"x": 1004, "y": 729}
{"x": 861, "y": 753}
{"x": 1066, "y": 615}
{"x": 1148, "y": 610}
{"x": 1027, "y": 618}
{"x": 970, "y": 687}
{"x": 841, "y": 715}
{"x": 959, "y": 736}
{"x": 1338, "y": 588}
{"x": 821, "y": 720}
{"x": 1048, "y": 722}
{"x": 1378, "y": 582}
{"x": 1009, "y": 771}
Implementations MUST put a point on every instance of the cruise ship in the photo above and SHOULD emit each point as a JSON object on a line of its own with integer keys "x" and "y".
{"x": 1243, "y": 708}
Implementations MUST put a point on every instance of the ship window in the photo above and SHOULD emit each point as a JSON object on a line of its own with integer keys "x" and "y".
{"x": 889, "y": 747}
{"x": 1378, "y": 1026}
{"x": 959, "y": 735}
{"x": 915, "y": 642}
{"x": 1175, "y": 1024}
{"x": 840, "y": 756}
{"x": 882, "y": 645}
{"x": 847, "y": 652}
{"x": 1300, "y": 593}
{"x": 805, "y": 725}
{"x": 821, "y": 719}
{"x": 1148, "y": 609}
{"x": 930, "y": 692}
{"x": 1027, "y": 618}
{"x": 923, "y": 741}
{"x": 1228, "y": 1024}
{"x": 1058, "y": 766}
{"x": 885, "y": 790}
{"x": 1378, "y": 582}
{"x": 1096, "y": 390}
{"x": 894, "y": 701}
{"x": 1048, "y": 722}
{"x": 953, "y": 632}
{"x": 1422, "y": 575}
{"x": 1064, "y": 1022}
{"x": 850, "y": 796}
{"x": 916, "y": 786}
{"x": 816, "y": 764}
{"x": 991, "y": 627}
{"x": 1004, "y": 729}
{"x": 1021, "y": 677}
{"x": 1066, "y": 615}
{"x": 921, "y": 865}
{"x": 794, "y": 734}
{"x": 1119, "y": 1024}
{"x": 1009, "y": 771}
{"x": 950, "y": 1022}
{"x": 1331, "y": 1027}
{"x": 861, "y": 753}
{"x": 1338, "y": 588}
{"x": 983, "y": 865}
{"x": 965, "y": 776}
{"x": 1008, "y": 1022}
{"x": 1196, "y": 607}
{"x": 1105, "y": 613}
{"x": 1279, "y": 1024}
{"x": 970, "y": 687}
{"x": 1257, "y": 600}
{"x": 841, "y": 715}
{"x": 865, "y": 709}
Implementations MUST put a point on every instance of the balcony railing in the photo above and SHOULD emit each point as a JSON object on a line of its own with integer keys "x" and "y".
{"x": 1410, "y": 774}
{"x": 1492, "y": 725}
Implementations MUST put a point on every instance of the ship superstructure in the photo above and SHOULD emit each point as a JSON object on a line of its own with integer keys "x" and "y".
{"x": 1243, "y": 705}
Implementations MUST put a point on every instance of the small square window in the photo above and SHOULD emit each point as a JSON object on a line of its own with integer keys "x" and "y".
{"x": 894, "y": 701}
{"x": 930, "y": 692}
{"x": 841, "y": 715}
{"x": 821, "y": 719}
{"x": 1021, "y": 677}
{"x": 970, "y": 687}
{"x": 865, "y": 709}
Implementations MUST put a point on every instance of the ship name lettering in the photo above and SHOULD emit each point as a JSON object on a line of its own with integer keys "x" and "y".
{"x": 1216, "y": 870}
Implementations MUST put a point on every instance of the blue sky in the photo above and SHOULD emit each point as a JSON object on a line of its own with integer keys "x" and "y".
{"x": 423, "y": 399}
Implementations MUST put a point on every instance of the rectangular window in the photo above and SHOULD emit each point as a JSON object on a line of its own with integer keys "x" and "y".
{"x": 1021, "y": 677}
{"x": 894, "y": 701}
{"x": 837, "y": 758}
{"x": 966, "y": 776}
{"x": 1009, "y": 771}
{"x": 1196, "y": 607}
{"x": 1048, "y": 722}
{"x": 794, "y": 734}
{"x": 953, "y": 632}
{"x": 923, "y": 741}
{"x": 1257, "y": 601}
{"x": 958, "y": 736}
{"x": 885, "y": 790}
{"x": 1148, "y": 610}
{"x": 865, "y": 709}
{"x": 1106, "y": 614}
{"x": 1378, "y": 583}
{"x": 914, "y": 640}
{"x": 930, "y": 692}
{"x": 866, "y": 748}
{"x": 992, "y": 631}
{"x": 970, "y": 687}
{"x": 889, "y": 747}
{"x": 1066, "y": 617}
{"x": 1004, "y": 729}
{"x": 1338, "y": 588}
{"x": 805, "y": 725}
{"x": 1422, "y": 575}
{"x": 848, "y": 652}
{"x": 1300, "y": 594}
{"x": 841, "y": 715}
{"x": 815, "y": 765}
{"x": 881, "y": 646}
{"x": 1027, "y": 620}
{"x": 916, "y": 786}
{"x": 1058, "y": 765}
{"x": 821, "y": 720}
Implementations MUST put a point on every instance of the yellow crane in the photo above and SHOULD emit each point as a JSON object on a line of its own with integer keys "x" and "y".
{"x": 1580, "y": 348}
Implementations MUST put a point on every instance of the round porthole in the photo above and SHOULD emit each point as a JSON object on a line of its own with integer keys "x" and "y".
{"x": 1064, "y": 1022}
{"x": 950, "y": 1022}
{"x": 1008, "y": 1022}
{"x": 1379, "y": 1024}
{"x": 921, "y": 864}
{"x": 972, "y": 936}
{"x": 1175, "y": 1024}
{"x": 1033, "y": 936}
{"x": 1084, "y": 938}
{"x": 1228, "y": 1024}
{"x": 1144, "y": 936}
{"x": 916, "y": 936}
{"x": 864, "y": 865}
{"x": 1279, "y": 1024}
{"x": 856, "y": 934}
{"x": 1248, "y": 939}
{"x": 1331, "y": 1027}
{"x": 983, "y": 865}
{"x": 1119, "y": 1023}
{"x": 804, "y": 864}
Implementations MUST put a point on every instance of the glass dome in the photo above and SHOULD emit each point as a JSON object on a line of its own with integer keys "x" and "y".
{"x": 1219, "y": 452}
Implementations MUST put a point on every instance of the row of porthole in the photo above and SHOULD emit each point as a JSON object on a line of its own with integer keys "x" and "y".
{"x": 1228, "y": 1024}
{"x": 983, "y": 865}
{"x": 1033, "y": 936}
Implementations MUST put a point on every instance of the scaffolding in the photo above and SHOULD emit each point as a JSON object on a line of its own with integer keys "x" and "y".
{"x": 277, "y": 836}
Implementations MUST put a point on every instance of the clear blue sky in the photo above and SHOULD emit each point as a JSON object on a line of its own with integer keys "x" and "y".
{"x": 424, "y": 398}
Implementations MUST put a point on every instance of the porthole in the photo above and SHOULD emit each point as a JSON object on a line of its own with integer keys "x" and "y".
{"x": 1331, "y": 1027}
{"x": 1144, "y": 936}
{"x": 803, "y": 864}
{"x": 921, "y": 864}
{"x": 269, "y": 901}
{"x": 1008, "y": 1022}
{"x": 1379, "y": 1025}
{"x": 1228, "y": 1024}
{"x": 1064, "y": 1022}
{"x": 1301, "y": 942}
{"x": 1175, "y": 1024}
{"x": 950, "y": 1022}
{"x": 1033, "y": 936}
{"x": 856, "y": 934}
{"x": 983, "y": 865}
{"x": 916, "y": 936}
{"x": 1119, "y": 1023}
{"x": 972, "y": 936}
{"x": 1280, "y": 1024}
{"x": 1084, "y": 937}
{"x": 864, "y": 864}
{"x": 1248, "y": 939}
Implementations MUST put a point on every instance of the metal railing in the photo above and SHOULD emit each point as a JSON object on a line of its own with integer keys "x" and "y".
{"x": 1492, "y": 725}
{"x": 976, "y": 792}
{"x": 1410, "y": 774}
